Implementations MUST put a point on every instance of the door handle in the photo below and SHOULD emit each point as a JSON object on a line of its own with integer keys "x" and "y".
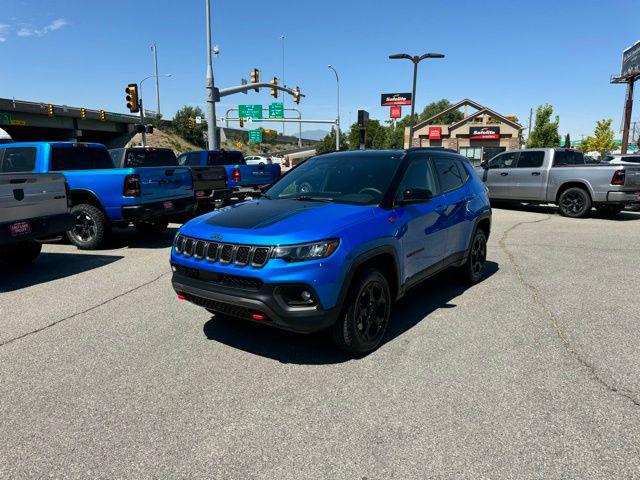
{"x": 535, "y": 174}
{"x": 504, "y": 174}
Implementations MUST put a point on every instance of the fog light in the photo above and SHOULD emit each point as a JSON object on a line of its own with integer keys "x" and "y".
{"x": 296, "y": 296}
{"x": 306, "y": 296}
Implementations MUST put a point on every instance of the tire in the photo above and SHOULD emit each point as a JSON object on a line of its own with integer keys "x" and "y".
{"x": 91, "y": 227}
{"x": 609, "y": 210}
{"x": 365, "y": 316}
{"x": 153, "y": 227}
{"x": 474, "y": 266}
{"x": 19, "y": 254}
{"x": 574, "y": 202}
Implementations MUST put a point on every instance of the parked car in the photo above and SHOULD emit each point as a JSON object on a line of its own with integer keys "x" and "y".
{"x": 257, "y": 160}
{"x": 103, "y": 197}
{"x": 561, "y": 176}
{"x": 209, "y": 182}
{"x": 243, "y": 180}
{"x": 32, "y": 206}
{"x": 374, "y": 224}
{"x": 619, "y": 159}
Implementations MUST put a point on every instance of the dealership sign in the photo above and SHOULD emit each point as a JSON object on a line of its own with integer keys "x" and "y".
{"x": 395, "y": 99}
{"x": 395, "y": 112}
{"x": 435, "y": 133}
{"x": 484, "y": 133}
{"x": 631, "y": 61}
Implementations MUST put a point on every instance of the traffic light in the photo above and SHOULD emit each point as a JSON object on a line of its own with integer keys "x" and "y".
{"x": 274, "y": 91}
{"x": 241, "y": 122}
{"x": 191, "y": 122}
{"x": 133, "y": 103}
{"x": 102, "y": 116}
{"x": 83, "y": 113}
{"x": 255, "y": 77}
{"x": 296, "y": 95}
{"x": 50, "y": 110}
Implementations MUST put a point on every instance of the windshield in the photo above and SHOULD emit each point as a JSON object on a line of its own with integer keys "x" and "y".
{"x": 150, "y": 158}
{"x": 361, "y": 180}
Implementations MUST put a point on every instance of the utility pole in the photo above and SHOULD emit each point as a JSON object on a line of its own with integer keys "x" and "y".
{"x": 154, "y": 48}
{"x": 530, "y": 120}
{"x": 282, "y": 37}
{"x": 628, "y": 106}
{"x": 338, "y": 117}
{"x": 212, "y": 139}
{"x": 143, "y": 133}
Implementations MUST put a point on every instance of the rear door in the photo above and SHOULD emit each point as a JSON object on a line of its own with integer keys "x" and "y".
{"x": 499, "y": 180}
{"x": 529, "y": 176}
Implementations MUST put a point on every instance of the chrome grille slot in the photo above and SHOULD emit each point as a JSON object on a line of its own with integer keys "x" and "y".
{"x": 226, "y": 253}
{"x": 212, "y": 252}
{"x": 188, "y": 247}
{"x": 199, "y": 249}
{"x": 260, "y": 256}
{"x": 242, "y": 255}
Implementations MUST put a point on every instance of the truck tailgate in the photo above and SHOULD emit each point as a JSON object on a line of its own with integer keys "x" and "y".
{"x": 632, "y": 177}
{"x": 29, "y": 195}
{"x": 164, "y": 183}
{"x": 262, "y": 174}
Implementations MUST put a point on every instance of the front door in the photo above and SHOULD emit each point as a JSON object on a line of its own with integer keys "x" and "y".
{"x": 529, "y": 176}
{"x": 499, "y": 180}
{"x": 421, "y": 229}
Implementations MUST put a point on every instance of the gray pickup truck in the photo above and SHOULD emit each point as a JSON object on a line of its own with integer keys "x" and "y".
{"x": 33, "y": 206}
{"x": 561, "y": 176}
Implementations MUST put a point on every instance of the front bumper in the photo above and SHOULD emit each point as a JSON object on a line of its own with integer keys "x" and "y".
{"x": 262, "y": 299}
{"x": 623, "y": 197}
{"x": 157, "y": 209}
{"x": 41, "y": 227}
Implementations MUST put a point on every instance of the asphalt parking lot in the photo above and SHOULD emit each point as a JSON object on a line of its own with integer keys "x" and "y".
{"x": 533, "y": 373}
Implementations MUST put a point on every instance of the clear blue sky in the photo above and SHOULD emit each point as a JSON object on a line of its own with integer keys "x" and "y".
{"x": 506, "y": 54}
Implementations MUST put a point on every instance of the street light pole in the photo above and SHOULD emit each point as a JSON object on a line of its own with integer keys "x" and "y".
{"x": 416, "y": 60}
{"x": 154, "y": 48}
{"x": 338, "y": 117}
{"x": 282, "y": 37}
{"x": 212, "y": 139}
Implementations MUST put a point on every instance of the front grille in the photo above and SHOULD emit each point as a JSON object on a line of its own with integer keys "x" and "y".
{"x": 224, "y": 279}
{"x": 241, "y": 255}
{"x": 220, "y": 307}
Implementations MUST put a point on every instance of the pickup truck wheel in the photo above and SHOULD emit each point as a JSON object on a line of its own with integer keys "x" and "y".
{"x": 365, "y": 317}
{"x": 90, "y": 229}
{"x": 22, "y": 253}
{"x": 574, "y": 202}
{"x": 474, "y": 266}
{"x": 152, "y": 227}
{"x": 609, "y": 210}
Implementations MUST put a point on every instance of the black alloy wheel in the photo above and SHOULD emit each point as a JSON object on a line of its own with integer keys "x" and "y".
{"x": 574, "y": 202}
{"x": 372, "y": 312}
{"x": 477, "y": 258}
{"x": 90, "y": 227}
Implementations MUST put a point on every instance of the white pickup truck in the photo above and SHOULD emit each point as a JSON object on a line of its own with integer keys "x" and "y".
{"x": 561, "y": 176}
{"x": 33, "y": 206}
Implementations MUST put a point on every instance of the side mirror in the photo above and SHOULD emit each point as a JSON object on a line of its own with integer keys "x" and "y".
{"x": 484, "y": 164}
{"x": 415, "y": 195}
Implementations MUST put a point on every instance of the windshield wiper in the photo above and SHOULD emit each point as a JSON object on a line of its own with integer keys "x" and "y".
{"x": 313, "y": 199}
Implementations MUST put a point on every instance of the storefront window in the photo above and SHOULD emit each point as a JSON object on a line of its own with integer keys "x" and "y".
{"x": 474, "y": 154}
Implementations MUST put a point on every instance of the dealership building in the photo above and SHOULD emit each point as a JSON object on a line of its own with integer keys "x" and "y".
{"x": 478, "y": 136}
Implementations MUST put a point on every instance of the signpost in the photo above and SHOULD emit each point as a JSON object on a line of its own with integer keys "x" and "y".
{"x": 250, "y": 111}
{"x": 276, "y": 110}
{"x": 255, "y": 136}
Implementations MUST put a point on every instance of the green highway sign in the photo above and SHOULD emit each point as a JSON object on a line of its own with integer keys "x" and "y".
{"x": 5, "y": 118}
{"x": 255, "y": 136}
{"x": 253, "y": 112}
{"x": 276, "y": 110}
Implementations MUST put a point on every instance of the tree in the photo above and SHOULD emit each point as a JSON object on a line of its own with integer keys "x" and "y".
{"x": 375, "y": 135}
{"x": 545, "y": 132}
{"x": 602, "y": 140}
{"x": 436, "y": 107}
{"x": 567, "y": 141}
{"x": 181, "y": 125}
{"x": 328, "y": 143}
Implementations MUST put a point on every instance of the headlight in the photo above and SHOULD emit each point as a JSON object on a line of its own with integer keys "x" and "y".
{"x": 306, "y": 251}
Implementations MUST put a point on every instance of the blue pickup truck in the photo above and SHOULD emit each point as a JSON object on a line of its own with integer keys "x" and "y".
{"x": 103, "y": 197}
{"x": 243, "y": 180}
{"x": 336, "y": 241}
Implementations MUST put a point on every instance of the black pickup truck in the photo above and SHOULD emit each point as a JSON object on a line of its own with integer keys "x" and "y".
{"x": 209, "y": 182}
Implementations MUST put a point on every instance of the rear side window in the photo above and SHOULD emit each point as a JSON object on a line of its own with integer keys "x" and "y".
{"x": 568, "y": 157}
{"x": 530, "y": 160}
{"x": 22, "y": 159}
{"x": 225, "y": 158}
{"x": 80, "y": 158}
{"x": 448, "y": 174}
{"x": 150, "y": 158}
{"x": 631, "y": 159}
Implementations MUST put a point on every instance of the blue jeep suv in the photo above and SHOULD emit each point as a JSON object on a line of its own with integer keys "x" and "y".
{"x": 336, "y": 241}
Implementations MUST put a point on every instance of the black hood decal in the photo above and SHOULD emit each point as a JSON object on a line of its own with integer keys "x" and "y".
{"x": 260, "y": 213}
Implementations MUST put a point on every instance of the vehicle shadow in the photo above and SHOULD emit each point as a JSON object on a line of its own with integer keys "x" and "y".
{"x": 131, "y": 238}
{"x": 624, "y": 216}
{"x": 51, "y": 266}
{"x": 316, "y": 349}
